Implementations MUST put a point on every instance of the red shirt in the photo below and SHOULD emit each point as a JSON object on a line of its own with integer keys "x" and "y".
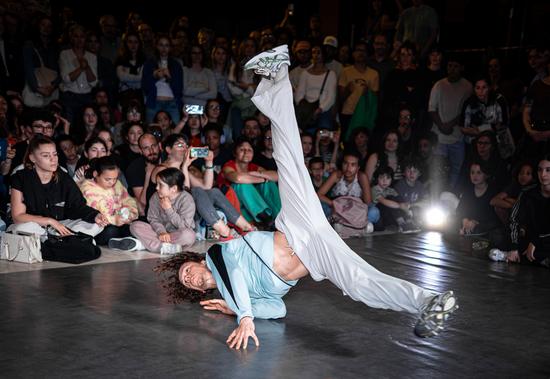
{"x": 221, "y": 178}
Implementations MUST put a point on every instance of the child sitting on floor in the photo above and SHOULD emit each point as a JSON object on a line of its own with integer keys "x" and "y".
{"x": 171, "y": 216}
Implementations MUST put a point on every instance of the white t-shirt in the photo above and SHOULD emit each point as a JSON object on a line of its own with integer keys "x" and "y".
{"x": 309, "y": 88}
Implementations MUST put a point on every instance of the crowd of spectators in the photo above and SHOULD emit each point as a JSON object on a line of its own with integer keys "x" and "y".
{"x": 99, "y": 131}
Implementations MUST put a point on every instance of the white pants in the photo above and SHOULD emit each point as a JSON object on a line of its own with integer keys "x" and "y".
{"x": 321, "y": 250}
{"x": 75, "y": 225}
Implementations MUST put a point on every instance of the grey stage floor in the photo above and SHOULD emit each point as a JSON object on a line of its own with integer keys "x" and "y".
{"x": 112, "y": 320}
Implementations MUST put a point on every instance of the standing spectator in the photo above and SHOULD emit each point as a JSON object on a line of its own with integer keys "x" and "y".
{"x": 330, "y": 50}
{"x": 109, "y": 40}
{"x": 129, "y": 69}
{"x": 11, "y": 73}
{"x": 317, "y": 84}
{"x": 199, "y": 83}
{"x": 380, "y": 60}
{"x": 78, "y": 69}
{"x": 220, "y": 67}
{"x": 147, "y": 38}
{"x": 536, "y": 118}
{"x": 106, "y": 73}
{"x": 356, "y": 81}
{"x": 302, "y": 56}
{"x": 446, "y": 101}
{"x": 38, "y": 53}
{"x": 418, "y": 24}
{"x": 162, "y": 82}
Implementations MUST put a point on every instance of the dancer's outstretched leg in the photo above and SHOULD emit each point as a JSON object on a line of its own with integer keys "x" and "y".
{"x": 323, "y": 252}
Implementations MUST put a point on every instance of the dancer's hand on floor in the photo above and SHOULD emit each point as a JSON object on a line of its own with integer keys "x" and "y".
{"x": 217, "y": 305}
{"x": 239, "y": 337}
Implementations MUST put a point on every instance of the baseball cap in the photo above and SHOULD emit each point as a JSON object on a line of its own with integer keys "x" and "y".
{"x": 331, "y": 41}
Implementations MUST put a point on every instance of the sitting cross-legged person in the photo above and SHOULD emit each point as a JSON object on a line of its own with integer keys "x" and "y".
{"x": 256, "y": 187}
{"x": 43, "y": 195}
{"x": 104, "y": 191}
{"x": 349, "y": 182}
{"x": 171, "y": 215}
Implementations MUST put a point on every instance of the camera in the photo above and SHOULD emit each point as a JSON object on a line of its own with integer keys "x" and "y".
{"x": 194, "y": 109}
{"x": 326, "y": 133}
{"x": 199, "y": 152}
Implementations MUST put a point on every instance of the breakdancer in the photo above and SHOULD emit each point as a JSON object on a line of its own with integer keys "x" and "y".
{"x": 254, "y": 272}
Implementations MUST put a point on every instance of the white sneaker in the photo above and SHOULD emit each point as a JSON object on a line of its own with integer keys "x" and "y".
{"x": 369, "y": 228}
{"x": 337, "y": 227}
{"x": 170, "y": 248}
{"x": 435, "y": 314}
{"x": 269, "y": 62}
{"x": 498, "y": 255}
{"x": 126, "y": 244}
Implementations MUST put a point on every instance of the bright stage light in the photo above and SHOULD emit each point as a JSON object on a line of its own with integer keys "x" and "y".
{"x": 435, "y": 217}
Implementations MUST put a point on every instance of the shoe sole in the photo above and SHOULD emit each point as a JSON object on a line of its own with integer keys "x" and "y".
{"x": 124, "y": 244}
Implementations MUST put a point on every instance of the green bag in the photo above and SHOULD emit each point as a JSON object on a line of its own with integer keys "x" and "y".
{"x": 364, "y": 115}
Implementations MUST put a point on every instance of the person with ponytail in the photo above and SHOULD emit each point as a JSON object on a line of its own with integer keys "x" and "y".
{"x": 43, "y": 195}
{"x": 103, "y": 191}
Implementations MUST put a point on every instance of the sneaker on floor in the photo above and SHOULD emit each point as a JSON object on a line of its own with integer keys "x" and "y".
{"x": 435, "y": 314}
{"x": 369, "y": 228}
{"x": 170, "y": 248}
{"x": 126, "y": 244}
{"x": 497, "y": 255}
{"x": 269, "y": 62}
{"x": 338, "y": 227}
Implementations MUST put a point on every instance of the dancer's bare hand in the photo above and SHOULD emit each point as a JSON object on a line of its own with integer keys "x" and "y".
{"x": 239, "y": 337}
{"x": 217, "y": 305}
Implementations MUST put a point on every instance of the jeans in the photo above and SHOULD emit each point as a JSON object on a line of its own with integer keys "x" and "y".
{"x": 454, "y": 152}
{"x": 207, "y": 201}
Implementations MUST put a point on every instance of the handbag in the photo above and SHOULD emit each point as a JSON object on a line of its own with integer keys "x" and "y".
{"x": 75, "y": 248}
{"x": 21, "y": 247}
{"x": 350, "y": 211}
{"x": 305, "y": 111}
{"x": 44, "y": 77}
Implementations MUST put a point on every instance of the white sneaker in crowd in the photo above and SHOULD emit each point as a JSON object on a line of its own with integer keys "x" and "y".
{"x": 126, "y": 244}
{"x": 170, "y": 248}
{"x": 269, "y": 62}
{"x": 369, "y": 228}
{"x": 497, "y": 255}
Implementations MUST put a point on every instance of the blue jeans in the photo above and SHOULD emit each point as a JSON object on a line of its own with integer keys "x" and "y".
{"x": 454, "y": 153}
{"x": 169, "y": 106}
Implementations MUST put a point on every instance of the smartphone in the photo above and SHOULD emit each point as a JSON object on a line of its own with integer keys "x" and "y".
{"x": 326, "y": 133}
{"x": 194, "y": 109}
{"x": 199, "y": 152}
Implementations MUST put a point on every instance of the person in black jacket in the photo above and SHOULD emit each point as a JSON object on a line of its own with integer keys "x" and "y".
{"x": 42, "y": 195}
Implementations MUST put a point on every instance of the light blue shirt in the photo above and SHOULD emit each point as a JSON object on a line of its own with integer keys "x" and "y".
{"x": 256, "y": 289}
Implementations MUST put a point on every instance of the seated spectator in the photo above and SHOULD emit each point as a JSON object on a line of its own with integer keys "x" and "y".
{"x": 163, "y": 120}
{"x": 129, "y": 150}
{"x": 386, "y": 199}
{"x": 207, "y": 199}
{"x": 348, "y": 181}
{"x": 529, "y": 223}
{"x": 171, "y": 216}
{"x": 307, "y": 147}
{"x": 327, "y": 146}
{"x": 485, "y": 151}
{"x": 255, "y": 186}
{"x": 85, "y": 124}
{"x": 104, "y": 192}
{"x": 388, "y": 155}
{"x": 505, "y": 200}
{"x": 407, "y": 128}
{"x": 317, "y": 172}
{"x": 133, "y": 112}
{"x": 412, "y": 191}
{"x": 253, "y": 133}
{"x": 93, "y": 148}
{"x": 264, "y": 158}
{"x": 42, "y": 195}
{"x": 193, "y": 128}
{"x": 68, "y": 148}
{"x": 474, "y": 214}
{"x": 359, "y": 141}
{"x": 213, "y": 139}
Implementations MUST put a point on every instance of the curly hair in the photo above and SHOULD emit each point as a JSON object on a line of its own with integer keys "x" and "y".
{"x": 177, "y": 292}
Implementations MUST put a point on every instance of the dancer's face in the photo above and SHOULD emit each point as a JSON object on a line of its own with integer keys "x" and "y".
{"x": 196, "y": 276}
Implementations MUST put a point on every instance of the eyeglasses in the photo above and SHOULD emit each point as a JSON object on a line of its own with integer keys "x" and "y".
{"x": 43, "y": 127}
